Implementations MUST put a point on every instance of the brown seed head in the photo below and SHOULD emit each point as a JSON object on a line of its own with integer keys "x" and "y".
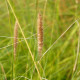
{"x": 40, "y": 34}
{"x": 15, "y": 37}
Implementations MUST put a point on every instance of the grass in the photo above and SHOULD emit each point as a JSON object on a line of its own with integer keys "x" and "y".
{"x": 61, "y": 29}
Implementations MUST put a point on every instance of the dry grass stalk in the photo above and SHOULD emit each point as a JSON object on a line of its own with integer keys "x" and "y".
{"x": 15, "y": 37}
{"x": 3, "y": 71}
{"x": 40, "y": 34}
{"x": 76, "y": 61}
{"x": 77, "y": 56}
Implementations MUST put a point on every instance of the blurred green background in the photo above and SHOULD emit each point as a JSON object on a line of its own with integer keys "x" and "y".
{"x": 58, "y": 62}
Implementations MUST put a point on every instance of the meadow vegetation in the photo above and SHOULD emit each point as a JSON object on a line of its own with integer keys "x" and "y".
{"x": 60, "y": 55}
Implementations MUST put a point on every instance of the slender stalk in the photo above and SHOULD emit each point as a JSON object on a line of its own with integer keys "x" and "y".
{"x": 76, "y": 60}
{"x": 3, "y": 71}
{"x": 37, "y": 1}
{"x": 45, "y": 4}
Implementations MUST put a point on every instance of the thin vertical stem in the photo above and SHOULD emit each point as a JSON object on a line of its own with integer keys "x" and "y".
{"x": 45, "y": 4}
{"x": 76, "y": 60}
{"x": 3, "y": 71}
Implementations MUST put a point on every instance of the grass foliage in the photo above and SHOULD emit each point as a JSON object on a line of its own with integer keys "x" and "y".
{"x": 61, "y": 35}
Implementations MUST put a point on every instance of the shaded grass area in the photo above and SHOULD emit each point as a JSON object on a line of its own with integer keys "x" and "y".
{"x": 58, "y": 62}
